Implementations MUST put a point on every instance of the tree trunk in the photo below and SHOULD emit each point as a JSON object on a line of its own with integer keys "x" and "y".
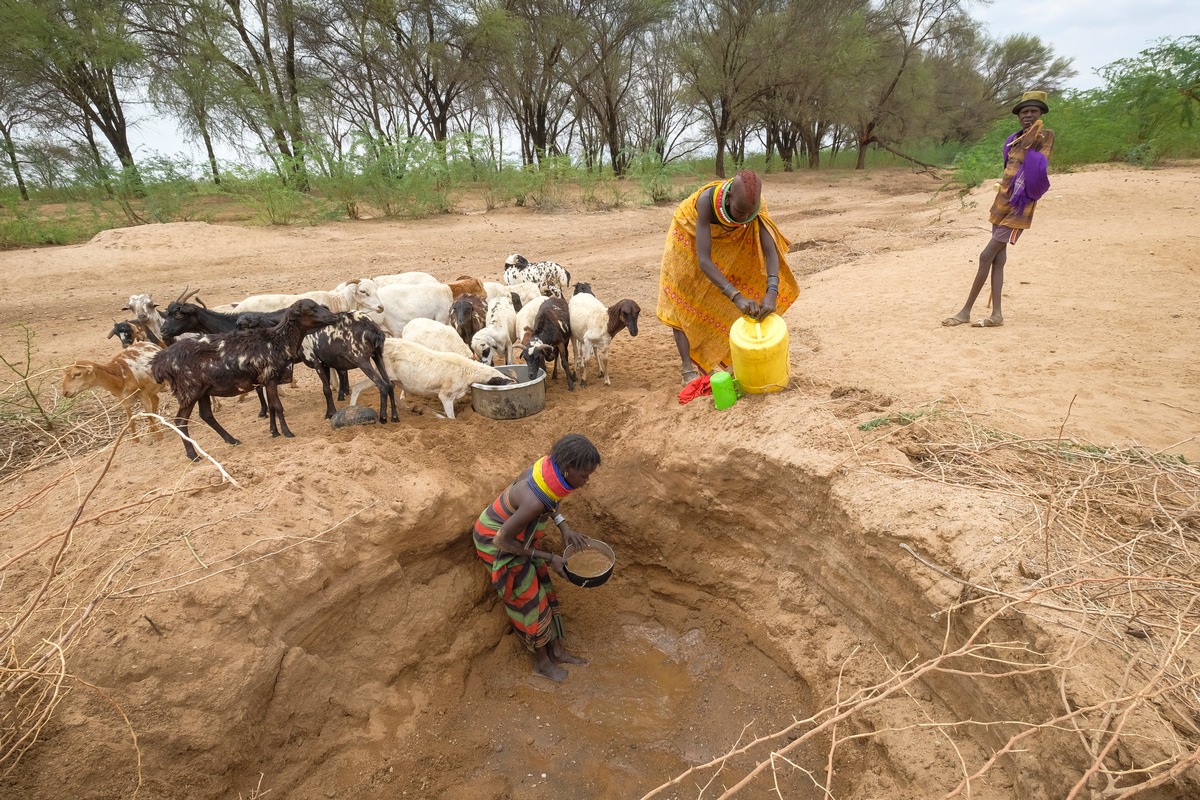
{"x": 212, "y": 156}
{"x": 720, "y": 165}
{"x": 11, "y": 149}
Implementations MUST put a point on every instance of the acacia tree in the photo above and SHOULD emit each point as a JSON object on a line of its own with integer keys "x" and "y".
{"x": 17, "y": 107}
{"x": 523, "y": 45}
{"x": 603, "y": 61}
{"x": 820, "y": 67}
{"x": 904, "y": 29}
{"x": 726, "y": 59}
{"x": 84, "y": 51}
{"x": 433, "y": 45}
{"x": 661, "y": 116}
{"x": 249, "y": 50}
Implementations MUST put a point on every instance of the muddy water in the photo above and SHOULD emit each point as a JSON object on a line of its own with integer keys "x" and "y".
{"x": 666, "y": 687}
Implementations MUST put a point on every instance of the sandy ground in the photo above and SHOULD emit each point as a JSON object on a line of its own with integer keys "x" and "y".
{"x": 324, "y": 631}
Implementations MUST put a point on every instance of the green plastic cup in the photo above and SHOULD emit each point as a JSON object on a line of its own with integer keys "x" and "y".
{"x": 724, "y": 392}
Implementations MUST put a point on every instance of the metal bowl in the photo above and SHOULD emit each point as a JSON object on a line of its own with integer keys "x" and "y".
{"x": 526, "y": 396}
{"x": 591, "y": 580}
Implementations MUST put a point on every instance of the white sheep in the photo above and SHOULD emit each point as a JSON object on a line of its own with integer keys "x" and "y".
{"x": 525, "y": 290}
{"x": 593, "y": 326}
{"x": 527, "y": 316}
{"x": 126, "y": 377}
{"x": 435, "y": 335}
{"x": 406, "y": 278}
{"x": 404, "y": 302}
{"x": 421, "y": 371}
{"x": 356, "y": 295}
{"x": 500, "y": 334}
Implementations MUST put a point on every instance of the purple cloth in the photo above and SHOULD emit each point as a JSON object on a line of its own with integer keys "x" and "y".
{"x": 1031, "y": 181}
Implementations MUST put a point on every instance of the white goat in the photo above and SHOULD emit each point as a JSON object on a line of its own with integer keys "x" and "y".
{"x": 435, "y": 335}
{"x": 405, "y": 277}
{"x": 500, "y": 334}
{"x": 527, "y": 316}
{"x": 421, "y": 371}
{"x": 357, "y": 295}
{"x": 593, "y": 326}
{"x": 126, "y": 377}
{"x": 146, "y": 312}
{"x": 403, "y": 303}
{"x": 525, "y": 290}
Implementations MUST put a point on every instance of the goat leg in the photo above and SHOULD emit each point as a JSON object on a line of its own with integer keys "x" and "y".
{"x": 566, "y": 362}
{"x": 262, "y": 403}
{"x": 385, "y": 391}
{"x": 276, "y": 408}
{"x": 207, "y": 415}
{"x": 330, "y": 408}
{"x": 181, "y": 422}
{"x": 602, "y": 364}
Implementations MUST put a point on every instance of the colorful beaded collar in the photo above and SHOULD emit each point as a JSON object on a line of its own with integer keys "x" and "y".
{"x": 721, "y": 201}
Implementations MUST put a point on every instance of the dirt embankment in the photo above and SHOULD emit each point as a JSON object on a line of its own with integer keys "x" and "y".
{"x": 326, "y": 630}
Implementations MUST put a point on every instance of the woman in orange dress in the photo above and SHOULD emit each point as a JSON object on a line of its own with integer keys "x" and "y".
{"x": 724, "y": 258}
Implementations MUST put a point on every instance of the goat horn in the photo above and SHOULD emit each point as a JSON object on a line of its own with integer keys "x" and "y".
{"x": 183, "y": 298}
{"x": 200, "y": 302}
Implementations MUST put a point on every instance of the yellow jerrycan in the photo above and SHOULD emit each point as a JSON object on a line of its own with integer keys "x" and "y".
{"x": 760, "y": 353}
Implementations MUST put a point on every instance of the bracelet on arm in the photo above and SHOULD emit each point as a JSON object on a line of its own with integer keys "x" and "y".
{"x": 772, "y": 281}
{"x": 729, "y": 291}
{"x": 559, "y": 519}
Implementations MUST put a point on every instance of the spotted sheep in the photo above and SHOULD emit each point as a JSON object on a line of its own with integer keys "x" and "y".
{"x": 552, "y": 278}
{"x": 223, "y": 365}
{"x": 593, "y": 326}
{"x": 126, "y": 377}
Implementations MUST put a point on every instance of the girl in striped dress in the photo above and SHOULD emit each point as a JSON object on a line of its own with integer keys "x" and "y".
{"x": 508, "y": 539}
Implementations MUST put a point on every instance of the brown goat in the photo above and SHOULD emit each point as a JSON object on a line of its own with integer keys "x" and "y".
{"x": 126, "y": 377}
{"x": 465, "y": 284}
{"x": 468, "y": 314}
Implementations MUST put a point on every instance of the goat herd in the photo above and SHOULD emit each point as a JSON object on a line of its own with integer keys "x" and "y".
{"x": 429, "y": 338}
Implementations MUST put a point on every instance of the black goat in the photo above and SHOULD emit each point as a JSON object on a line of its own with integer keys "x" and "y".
{"x": 353, "y": 342}
{"x": 549, "y": 339}
{"x": 184, "y": 317}
{"x": 223, "y": 365}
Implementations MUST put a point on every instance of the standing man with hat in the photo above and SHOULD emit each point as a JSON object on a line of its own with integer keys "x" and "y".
{"x": 1026, "y": 157}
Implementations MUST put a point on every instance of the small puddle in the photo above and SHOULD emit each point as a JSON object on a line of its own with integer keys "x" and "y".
{"x": 640, "y": 700}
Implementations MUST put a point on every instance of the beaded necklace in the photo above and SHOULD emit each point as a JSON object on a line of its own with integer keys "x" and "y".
{"x": 721, "y": 201}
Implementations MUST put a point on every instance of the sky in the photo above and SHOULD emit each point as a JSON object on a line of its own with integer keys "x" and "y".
{"x": 1092, "y": 32}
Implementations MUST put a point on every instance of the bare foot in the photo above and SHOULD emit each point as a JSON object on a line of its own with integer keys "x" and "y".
{"x": 550, "y": 670}
{"x": 563, "y": 657}
{"x": 957, "y": 319}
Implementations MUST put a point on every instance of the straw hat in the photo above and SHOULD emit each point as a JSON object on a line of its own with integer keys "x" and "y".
{"x": 1036, "y": 99}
